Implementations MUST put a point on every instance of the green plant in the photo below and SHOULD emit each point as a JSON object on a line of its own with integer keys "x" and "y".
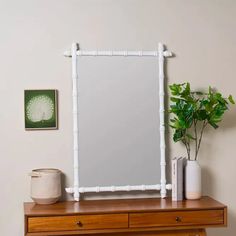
{"x": 192, "y": 112}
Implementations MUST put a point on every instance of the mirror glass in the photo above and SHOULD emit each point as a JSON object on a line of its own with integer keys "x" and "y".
{"x": 119, "y": 134}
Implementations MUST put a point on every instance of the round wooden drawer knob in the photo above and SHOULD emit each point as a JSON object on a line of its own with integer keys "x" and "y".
{"x": 178, "y": 219}
{"x": 79, "y": 223}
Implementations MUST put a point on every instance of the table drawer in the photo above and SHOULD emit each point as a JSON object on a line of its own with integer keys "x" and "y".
{"x": 177, "y": 218}
{"x": 77, "y": 222}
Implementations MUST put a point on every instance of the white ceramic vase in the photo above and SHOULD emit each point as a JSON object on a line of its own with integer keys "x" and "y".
{"x": 193, "y": 185}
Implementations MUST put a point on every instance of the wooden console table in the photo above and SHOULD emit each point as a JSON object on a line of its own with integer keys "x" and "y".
{"x": 141, "y": 217}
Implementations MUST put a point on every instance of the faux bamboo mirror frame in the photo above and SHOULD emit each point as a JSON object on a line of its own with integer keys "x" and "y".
{"x": 75, "y": 54}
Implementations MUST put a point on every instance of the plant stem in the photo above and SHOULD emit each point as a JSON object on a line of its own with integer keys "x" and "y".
{"x": 196, "y": 140}
{"x": 186, "y": 149}
{"x": 187, "y": 145}
{"x": 189, "y": 151}
{"x": 200, "y": 139}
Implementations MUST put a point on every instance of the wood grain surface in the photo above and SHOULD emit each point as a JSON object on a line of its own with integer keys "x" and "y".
{"x": 119, "y": 206}
{"x": 77, "y": 222}
{"x": 141, "y": 217}
{"x": 177, "y": 218}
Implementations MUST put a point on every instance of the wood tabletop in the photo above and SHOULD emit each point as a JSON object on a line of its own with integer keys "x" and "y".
{"x": 119, "y": 206}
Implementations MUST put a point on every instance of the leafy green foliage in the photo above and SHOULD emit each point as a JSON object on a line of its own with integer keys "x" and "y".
{"x": 194, "y": 109}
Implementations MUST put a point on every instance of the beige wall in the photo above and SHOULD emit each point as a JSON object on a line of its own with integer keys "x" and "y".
{"x": 33, "y": 36}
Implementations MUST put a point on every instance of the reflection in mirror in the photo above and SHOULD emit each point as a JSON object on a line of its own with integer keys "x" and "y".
{"x": 119, "y": 130}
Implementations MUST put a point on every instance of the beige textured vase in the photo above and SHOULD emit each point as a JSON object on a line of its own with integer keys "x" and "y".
{"x": 45, "y": 185}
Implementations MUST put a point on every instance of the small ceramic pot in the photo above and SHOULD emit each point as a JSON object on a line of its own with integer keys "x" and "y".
{"x": 45, "y": 185}
{"x": 193, "y": 186}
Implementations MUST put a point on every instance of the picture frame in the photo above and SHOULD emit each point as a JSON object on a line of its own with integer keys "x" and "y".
{"x": 41, "y": 109}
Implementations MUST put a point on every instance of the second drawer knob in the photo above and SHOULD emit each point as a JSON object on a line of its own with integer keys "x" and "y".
{"x": 79, "y": 223}
{"x": 178, "y": 219}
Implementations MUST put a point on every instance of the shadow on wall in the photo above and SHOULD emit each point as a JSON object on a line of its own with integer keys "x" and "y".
{"x": 210, "y": 188}
{"x": 229, "y": 118}
{"x": 209, "y": 185}
{"x": 231, "y": 227}
{"x": 63, "y": 184}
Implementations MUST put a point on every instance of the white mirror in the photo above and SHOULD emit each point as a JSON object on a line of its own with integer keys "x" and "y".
{"x": 118, "y": 121}
{"x": 118, "y": 116}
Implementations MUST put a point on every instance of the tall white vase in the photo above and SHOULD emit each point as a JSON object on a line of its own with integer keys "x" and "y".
{"x": 193, "y": 185}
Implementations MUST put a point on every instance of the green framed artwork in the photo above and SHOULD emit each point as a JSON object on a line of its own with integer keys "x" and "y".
{"x": 40, "y": 109}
